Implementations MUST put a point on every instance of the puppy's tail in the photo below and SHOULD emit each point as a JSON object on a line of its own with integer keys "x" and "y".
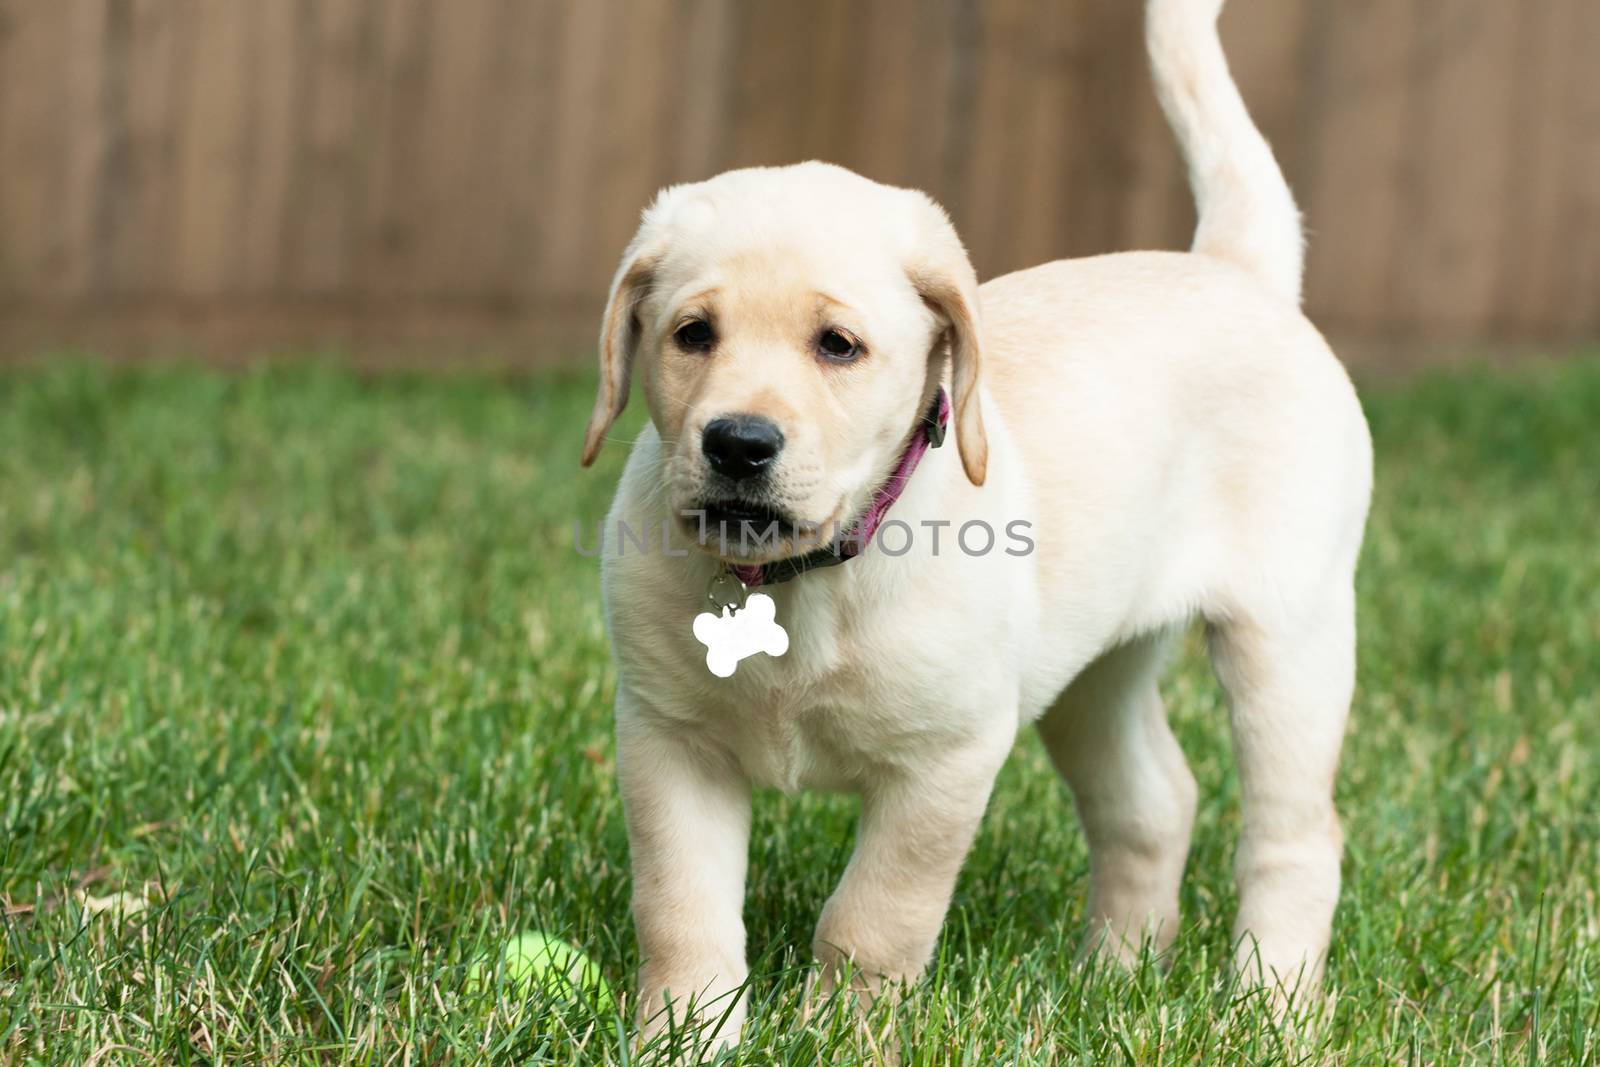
{"x": 1247, "y": 213}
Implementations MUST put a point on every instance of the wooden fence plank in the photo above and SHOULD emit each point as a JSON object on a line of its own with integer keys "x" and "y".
{"x": 212, "y": 139}
{"x": 703, "y": 90}
{"x": 987, "y": 214}
{"x": 1111, "y": 89}
{"x": 584, "y": 65}
{"x": 335, "y": 45}
{"x": 1357, "y": 154}
{"x": 631, "y": 143}
{"x": 1461, "y": 62}
{"x": 1580, "y": 244}
{"x": 85, "y": 142}
{"x": 392, "y": 216}
{"x": 887, "y": 72}
{"x": 270, "y": 120}
{"x": 37, "y": 91}
{"x": 520, "y": 166}
{"x": 460, "y": 121}
{"x": 1034, "y": 185}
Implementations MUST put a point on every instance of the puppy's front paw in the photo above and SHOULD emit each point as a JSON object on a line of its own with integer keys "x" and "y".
{"x": 709, "y": 1015}
{"x": 838, "y": 976}
{"x": 869, "y": 999}
{"x": 1288, "y": 980}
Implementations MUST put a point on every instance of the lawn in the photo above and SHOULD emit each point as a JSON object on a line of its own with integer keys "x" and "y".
{"x": 304, "y": 704}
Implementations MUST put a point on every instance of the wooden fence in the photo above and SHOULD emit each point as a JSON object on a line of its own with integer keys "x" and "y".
{"x": 458, "y": 173}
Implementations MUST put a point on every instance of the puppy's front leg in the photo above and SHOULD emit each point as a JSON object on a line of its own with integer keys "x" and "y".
{"x": 688, "y": 814}
{"x": 916, "y": 828}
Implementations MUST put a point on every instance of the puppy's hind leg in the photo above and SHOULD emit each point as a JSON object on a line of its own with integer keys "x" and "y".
{"x": 1108, "y": 736}
{"x": 1289, "y": 678}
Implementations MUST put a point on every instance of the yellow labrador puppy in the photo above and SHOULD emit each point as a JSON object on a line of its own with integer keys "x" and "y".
{"x": 1140, "y": 439}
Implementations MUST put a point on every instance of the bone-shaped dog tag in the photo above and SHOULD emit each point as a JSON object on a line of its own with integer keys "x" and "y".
{"x": 739, "y": 633}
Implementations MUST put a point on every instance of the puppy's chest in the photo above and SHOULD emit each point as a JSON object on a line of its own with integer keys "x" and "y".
{"x": 827, "y": 714}
{"x": 809, "y": 719}
{"x": 865, "y": 686}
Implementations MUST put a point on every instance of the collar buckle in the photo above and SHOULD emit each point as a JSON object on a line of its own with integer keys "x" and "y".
{"x": 936, "y": 420}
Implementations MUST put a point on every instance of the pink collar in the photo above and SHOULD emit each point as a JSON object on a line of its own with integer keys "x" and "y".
{"x": 928, "y": 434}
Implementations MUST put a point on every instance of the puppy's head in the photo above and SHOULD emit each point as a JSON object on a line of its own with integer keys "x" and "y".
{"x": 788, "y": 327}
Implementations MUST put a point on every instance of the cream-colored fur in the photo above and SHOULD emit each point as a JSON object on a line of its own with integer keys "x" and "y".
{"x": 1183, "y": 444}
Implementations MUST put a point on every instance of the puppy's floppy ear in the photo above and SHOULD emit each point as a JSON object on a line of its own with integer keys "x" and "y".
{"x": 945, "y": 280}
{"x": 619, "y": 342}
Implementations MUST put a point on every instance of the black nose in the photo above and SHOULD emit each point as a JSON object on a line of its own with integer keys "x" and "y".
{"x": 741, "y": 446}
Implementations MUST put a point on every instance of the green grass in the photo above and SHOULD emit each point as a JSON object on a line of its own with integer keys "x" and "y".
{"x": 303, "y": 663}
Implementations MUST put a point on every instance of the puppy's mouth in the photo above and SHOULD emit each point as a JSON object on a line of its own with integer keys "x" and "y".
{"x": 741, "y": 529}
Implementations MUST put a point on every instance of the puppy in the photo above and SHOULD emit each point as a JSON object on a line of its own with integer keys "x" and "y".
{"x": 1165, "y": 436}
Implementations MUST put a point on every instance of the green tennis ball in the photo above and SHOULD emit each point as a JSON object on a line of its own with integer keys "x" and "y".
{"x": 560, "y": 971}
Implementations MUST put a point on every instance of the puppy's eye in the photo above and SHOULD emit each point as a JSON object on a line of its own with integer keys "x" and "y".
{"x": 838, "y": 346}
{"x": 696, "y": 334}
